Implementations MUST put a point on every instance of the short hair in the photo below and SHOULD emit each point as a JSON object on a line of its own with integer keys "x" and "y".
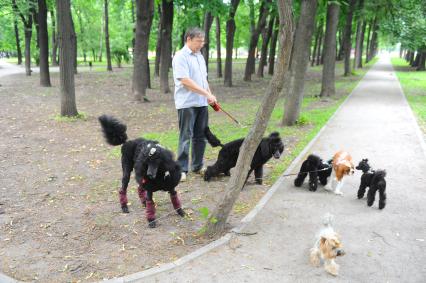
{"x": 194, "y": 32}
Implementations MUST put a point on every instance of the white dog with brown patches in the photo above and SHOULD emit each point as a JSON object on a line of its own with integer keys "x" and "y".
{"x": 342, "y": 166}
{"x": 327, "y": 247}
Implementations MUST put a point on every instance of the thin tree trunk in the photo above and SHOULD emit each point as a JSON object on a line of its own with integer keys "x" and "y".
{"x": 54, "y": 39}
{"x": 217, "y": 221}
{"x": 359, "y": 41}
{"x": 266, "y": 36}
{"x": 273, "y": 47}
{"x": 316, "y": 43}
{"x": 347, "y": 39}
{"x": 218, "y": 49}
{"x": 18, "y": 42}
{"x": 421, "y": 65}
{"x": 254, "y": 38}
{"x": 328, "y": 73}
{"x": 107, "y": 47}
{"x": 101, "y": 38}
{"x": 158, "y": 45}
{"x": 208, "y": 20}
{"x": 320, "y": 45}
{"x": 361, "y": 45}
{"x": 373, "y": 42}
{"x": 66, "y": 58}
{"x": 74, "y": 43}
{"x": 230, "y": 33}
{"x": 44, "y": 44}
{"x": 144, "y": 15}
{"x": 166, "y": 46}
{"x": 339, "y": 53}
{"x": 28, "y": 27}
{"x": 299, "y": 64}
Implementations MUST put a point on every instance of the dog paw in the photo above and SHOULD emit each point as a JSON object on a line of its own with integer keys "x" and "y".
{"x": 181, "y": 212}
{"x": 125, "y": 209}
{"x": 339, "y": 193}
{"x": 152, "y": 224}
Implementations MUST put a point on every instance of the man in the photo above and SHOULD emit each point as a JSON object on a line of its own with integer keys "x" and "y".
{"x": 192, "y": 97}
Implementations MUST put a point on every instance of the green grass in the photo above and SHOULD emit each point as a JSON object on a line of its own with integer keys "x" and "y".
{"x": 67, "y": 119}
{"x": 414, "y": 85}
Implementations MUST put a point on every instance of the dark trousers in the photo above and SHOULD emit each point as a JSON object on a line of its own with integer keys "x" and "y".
{"x": 192, "y": 123}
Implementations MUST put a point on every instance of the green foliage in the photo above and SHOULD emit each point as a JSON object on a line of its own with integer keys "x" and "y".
{"x": 67, "y": 119}
{"x": 120, "y": 55}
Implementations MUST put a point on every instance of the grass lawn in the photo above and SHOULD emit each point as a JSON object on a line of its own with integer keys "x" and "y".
{"x": 414, "y": 85}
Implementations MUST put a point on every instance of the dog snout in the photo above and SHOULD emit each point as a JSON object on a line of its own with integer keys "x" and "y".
{"x": 340, "y": 252}
{"x": 151, "y": 172}
{"x": 277, "y": 154}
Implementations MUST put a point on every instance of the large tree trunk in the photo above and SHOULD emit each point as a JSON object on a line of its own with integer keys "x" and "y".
{"x": 158, "y": 45}
{"x": 328, "y": 87}
{"x": 266, "y": 36}
{"x": 44, "y": 44}
{"x": 208, "y": 20}
{"x": 219, "y": 58}
{"x": 299, "y": 64}
{"x": 66, "y": 58}
{"x": 144, "y": 15}
{"x": 54, "y": 39}
{"x": 217, "y": 221}
{"x": 230, "y": 33}
{"x": 107, "y": 47}
{"x": 18, "y": 42}
{"x": 273, "y": 47}
{"x": 361, "y": 47}
{"x": 347, "y": 40}
{"x": 254, "y": 38}
{"x": 166, "y": 46}
{"x": 421, "y": 65}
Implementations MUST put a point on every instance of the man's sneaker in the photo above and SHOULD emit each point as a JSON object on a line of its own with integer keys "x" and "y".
{"x": 201, "y": 171}
{"x": 183, "y": 177}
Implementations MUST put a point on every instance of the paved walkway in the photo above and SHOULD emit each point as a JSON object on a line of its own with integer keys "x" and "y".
{"x": 382, "y": 246}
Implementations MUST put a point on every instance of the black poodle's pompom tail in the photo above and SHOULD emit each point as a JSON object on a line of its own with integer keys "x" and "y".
{"x": 380, "y": 174}
{"x": 114, "y": 130}
{"x": 211, "y": 138}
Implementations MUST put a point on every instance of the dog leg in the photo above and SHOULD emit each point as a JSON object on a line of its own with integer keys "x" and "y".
{"x": 361, "y": 190}
{"x": 123, "y": 201}
{"x": 142, "y": 195}
{"x": 299, "y": 179}
{"x": 313, "y": 181}
{"x": 330, "y": 185}
{"x": 150, "y": 210}
{"x": 331, "y": 267}
{"x": 339, "y": 186}
{"x": 314, "y": 257}
{"x": 382, "y": 200}
{"x": 176, "y": 203}
{"x": 258, "y": 174}
{"x": 371, "y": 195}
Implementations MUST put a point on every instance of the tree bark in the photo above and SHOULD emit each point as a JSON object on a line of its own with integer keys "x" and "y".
{"x": 360, "y": 30}
{"x": 107, "y": 47}
{"x": 28, "y": 27}
{"x": 208, "y": 20}
{"x": 218, "y": 49}
{"x": 347, "y": 39}
{"x": 328, "y": 87}
{"x": 74, "y": 42}
{"x": 273, "y": 47}
{"x": 230, "y": 33}
{"x": 373, "y": 42}
{"x": 299, "y": 64}
{"x": 254, "y": 38}
{"x": 54, "y": 39}
{"x": 340, "y": 53}
{"x": 44, "y": 44}
{"x": 316, "y": 43}
{"x": 421, "y": 65}
{"x": 66, "y": 58}
{"x": 166, "y": 46}
{"x": 320, "y": 44}
{"x": 18, "y": 42}
{"x": 266, "y": 36}
{"x": 217, "y": 220}
{"x": 158, "y": 45}
{"x": 144, "y": 15}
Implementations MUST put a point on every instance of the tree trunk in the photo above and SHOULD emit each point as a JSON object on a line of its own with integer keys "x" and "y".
{"x": 254, "y": 38}
{"x": 66, "y": 58}
{"x": 18, "y": 42}
{"x": 373, "y": 42}
{"x": 230, "y": 33}
{"x": 28, "y": 27}
{"x": 74, "y": 43}
{"x": 218, "y": 49}
{"x": 347, "y": 39}
{"x": 316, "y": 43}
{"x": 44, "y": 44}
{"x": 166, "y": 46}
{"x": 266, "y": 36}
{"x": 144, "y": 15}
{"x": 271, "y": 63}
{"x": 360, "y": 30}
{"x": 320, "y": 44}
{"x": 340, "y": 36}
{"x": 299, "y": 64}
{"x": 416, "y": 60}
{"x": 54, "y": 39}
{"x": 107, "y": 47}
{"x": 34, "y": 14}
{"x": 158, "y": 45}
{"x": 101, "y": 38}
{"x": 208, "y": 20}
{"x": 421, "y": 65}
{"x": 82, "y": 34}
{"x": 217, "y": 221}
{"x": 328, "y": 87}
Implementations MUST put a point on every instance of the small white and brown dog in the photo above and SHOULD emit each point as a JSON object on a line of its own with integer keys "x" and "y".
{"x": 342, "y": 166}
{"x": 327, "y": 247}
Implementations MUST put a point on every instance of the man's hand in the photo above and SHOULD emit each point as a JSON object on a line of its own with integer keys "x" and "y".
{"x": 211, "y": 99}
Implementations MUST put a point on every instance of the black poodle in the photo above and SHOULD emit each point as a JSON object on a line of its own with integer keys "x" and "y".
{"x": 375, "y": 180}
{"x": 154, "y": 167}
{"x": 317, "y": 170}
{"x": 228, "y": 155}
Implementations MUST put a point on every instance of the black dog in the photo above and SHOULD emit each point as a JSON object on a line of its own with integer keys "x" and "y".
{"x": 154, "y": 167}
{"x": 228, "y": 155}
{"x": 317, "y": 169}
{"x": 375, "y": 180}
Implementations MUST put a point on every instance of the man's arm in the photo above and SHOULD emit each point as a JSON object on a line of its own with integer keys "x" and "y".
{"x": 194, "y": 87}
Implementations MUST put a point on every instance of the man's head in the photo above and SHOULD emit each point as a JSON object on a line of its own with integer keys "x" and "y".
{"x": 194, "y": 39}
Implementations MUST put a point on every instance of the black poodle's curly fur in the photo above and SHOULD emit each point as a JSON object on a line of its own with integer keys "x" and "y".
{"x": 375, "y": 180}
{"x": 155, "y": 168}
{"x": 317, "y": 170}
{"x": 228, "y": 155}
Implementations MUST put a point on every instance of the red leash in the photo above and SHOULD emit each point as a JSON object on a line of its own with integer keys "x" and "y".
{"x": 217, "y": 108}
